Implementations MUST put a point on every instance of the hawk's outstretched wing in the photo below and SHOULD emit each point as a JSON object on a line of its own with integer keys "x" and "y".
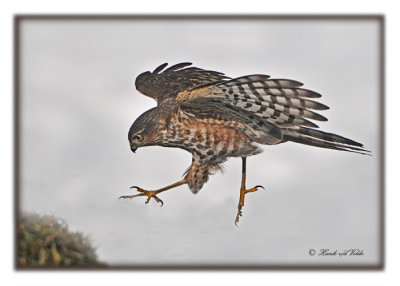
{"x": 276, "y": 110}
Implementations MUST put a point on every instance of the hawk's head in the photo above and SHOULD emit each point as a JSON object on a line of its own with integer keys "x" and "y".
{"x": 144, "y": 130}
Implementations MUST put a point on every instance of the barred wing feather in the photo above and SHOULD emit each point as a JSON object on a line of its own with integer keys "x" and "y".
{"x": 278, "y": 102}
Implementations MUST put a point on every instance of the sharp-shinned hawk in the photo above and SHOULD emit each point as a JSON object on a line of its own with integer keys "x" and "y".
{"x": 215, "y": 117}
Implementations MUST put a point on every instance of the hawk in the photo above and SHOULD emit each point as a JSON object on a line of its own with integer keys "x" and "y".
{"x": 215, "y": 117}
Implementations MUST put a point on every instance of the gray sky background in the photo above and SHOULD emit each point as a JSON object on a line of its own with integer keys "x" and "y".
{"x": 78, "y": 102}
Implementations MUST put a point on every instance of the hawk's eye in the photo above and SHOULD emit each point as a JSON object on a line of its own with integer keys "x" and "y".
{"x": 138, "y": 137}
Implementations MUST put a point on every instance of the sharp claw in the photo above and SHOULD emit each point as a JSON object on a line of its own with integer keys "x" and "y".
{"x": 124, "y": 197}
{"x": 259, "y": 186}
{"x": 239, "y": 214}
{"x": 158, "y": 200}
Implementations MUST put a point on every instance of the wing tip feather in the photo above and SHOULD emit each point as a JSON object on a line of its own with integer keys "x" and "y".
{"x": 178, "y": 66}
{"x": 159, "y": 68}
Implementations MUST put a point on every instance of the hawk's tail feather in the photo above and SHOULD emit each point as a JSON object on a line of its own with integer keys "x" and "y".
{"x": 323, "y": 139}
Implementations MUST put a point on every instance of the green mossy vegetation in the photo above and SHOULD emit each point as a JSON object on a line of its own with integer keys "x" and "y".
{"x": 46, "y": 241}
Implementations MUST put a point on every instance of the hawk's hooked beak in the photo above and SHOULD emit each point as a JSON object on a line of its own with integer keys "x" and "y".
{"x": 134, "y": 147}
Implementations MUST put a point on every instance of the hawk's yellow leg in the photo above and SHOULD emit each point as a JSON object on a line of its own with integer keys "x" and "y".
{"x": 153, "y": 194}
{"x": 244, "y": 191}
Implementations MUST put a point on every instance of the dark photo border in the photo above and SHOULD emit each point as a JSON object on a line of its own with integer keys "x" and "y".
{"x": 89, "y": 17}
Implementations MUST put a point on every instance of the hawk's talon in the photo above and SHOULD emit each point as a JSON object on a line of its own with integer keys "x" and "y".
{"x": 239, "y": 214}
{"x": 158, "y": 200}
{"x": 148, "y": 194}
{"x": 253, "y": 189}
{"x": 243, "y": 192}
